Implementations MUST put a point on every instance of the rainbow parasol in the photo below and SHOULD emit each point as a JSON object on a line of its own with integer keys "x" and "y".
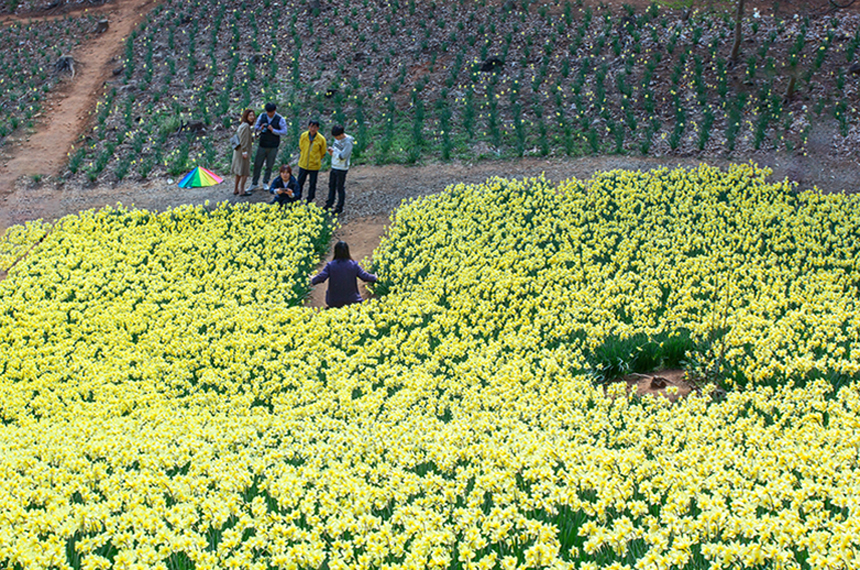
{"x": 200, "y": 177}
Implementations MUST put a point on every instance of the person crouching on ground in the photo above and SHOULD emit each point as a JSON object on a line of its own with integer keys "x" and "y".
{"x": 285, "y": 187}
{"x": 312, "y": 149}
{"x": 342, "y": 272}
{"x": 340, "y": 150}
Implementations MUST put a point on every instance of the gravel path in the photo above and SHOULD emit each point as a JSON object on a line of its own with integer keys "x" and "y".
{"x": 377, "y": 190}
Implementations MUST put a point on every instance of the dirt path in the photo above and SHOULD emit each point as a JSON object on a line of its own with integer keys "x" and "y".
{"x": 68, "y": 108}
{"x": 374, "y": 191}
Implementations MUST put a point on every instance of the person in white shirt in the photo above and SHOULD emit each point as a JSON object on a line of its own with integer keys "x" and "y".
{"x": 340, "y": 150}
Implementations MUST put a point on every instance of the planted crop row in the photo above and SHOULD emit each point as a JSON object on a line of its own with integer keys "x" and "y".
{"x": 406, "y": 79}
{"x": 28, "y": 52}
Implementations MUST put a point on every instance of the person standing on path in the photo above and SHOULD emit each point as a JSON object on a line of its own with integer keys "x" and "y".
{"x": 271, "y": 127}
{"x": 342, "y": 273}
{"x": 312, "y": 149}
{"x": 340, "y": 151}
{"x": 241, "y": 165}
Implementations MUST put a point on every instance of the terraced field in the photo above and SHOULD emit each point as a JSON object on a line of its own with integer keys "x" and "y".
{"x": 417, "y": 81}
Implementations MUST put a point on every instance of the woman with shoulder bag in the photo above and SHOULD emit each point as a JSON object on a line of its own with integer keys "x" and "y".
{"x": 241, "y": 166}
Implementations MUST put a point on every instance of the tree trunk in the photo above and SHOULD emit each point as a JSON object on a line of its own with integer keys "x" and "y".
{"x": 736, "y": 48}
{"x": 789, "y": 91}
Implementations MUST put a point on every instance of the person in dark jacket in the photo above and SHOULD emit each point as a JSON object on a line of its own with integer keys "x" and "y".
{"x": 271, "y": 127}
{"x": 342, "y": 272}
{"x": 285, "y": 187}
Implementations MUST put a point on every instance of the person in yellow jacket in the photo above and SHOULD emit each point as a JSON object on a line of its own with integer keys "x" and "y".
{"x": 312, "y": 149}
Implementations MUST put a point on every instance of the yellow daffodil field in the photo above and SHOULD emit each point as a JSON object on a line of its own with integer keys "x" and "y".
{"x": 18, "y": 240}
{"x": 166, "y": 401}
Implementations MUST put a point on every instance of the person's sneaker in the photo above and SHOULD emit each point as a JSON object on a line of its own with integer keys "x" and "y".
{"x": 253, "y": 187}
{"x": 266, "y": 187}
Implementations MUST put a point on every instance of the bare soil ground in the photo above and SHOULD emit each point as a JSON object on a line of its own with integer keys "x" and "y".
{"x": 671, "y": 384}
{"x": 68, "y": 109}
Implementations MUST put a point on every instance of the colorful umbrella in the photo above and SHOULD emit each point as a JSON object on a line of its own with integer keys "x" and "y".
{"x": 200, "y": 177}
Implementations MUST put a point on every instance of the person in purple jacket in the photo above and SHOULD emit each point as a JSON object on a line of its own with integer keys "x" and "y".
{"x": 342, "y": 272}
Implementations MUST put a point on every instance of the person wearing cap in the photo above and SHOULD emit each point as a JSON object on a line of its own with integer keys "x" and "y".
{"x": 271, "y": 127}
{"x": 312, "y": 149}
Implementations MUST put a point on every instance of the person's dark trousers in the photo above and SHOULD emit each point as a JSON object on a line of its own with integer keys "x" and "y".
{"x": 267, "y": 155}
{"x": 336, "y": 182}
{"x": 311, "y": 175}
{"x": 283, "y": 200}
